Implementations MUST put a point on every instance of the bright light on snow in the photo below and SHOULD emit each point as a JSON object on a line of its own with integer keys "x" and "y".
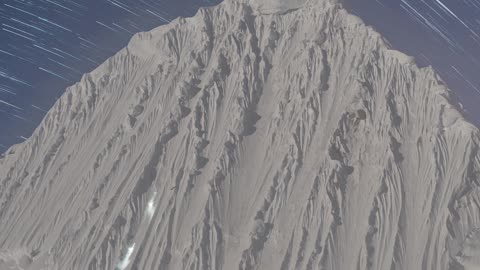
{"x": 151, "y": 206}
{"x": 126, "y": 259}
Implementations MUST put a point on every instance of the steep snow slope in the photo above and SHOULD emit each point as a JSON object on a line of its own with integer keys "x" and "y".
{"x": 244, "y": 138}
{"x": 272, "y": 6}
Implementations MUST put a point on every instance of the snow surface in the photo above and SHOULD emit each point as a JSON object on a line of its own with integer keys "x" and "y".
{"x": 248, "y": 137}
{"x": 281, "y": 6}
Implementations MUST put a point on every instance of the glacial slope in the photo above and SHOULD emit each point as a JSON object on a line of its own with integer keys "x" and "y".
{"x": 248, "y": 137}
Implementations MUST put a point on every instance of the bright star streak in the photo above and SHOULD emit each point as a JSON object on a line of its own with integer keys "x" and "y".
{"x": 10, "y": 105}
{"x": 53, "y": 73}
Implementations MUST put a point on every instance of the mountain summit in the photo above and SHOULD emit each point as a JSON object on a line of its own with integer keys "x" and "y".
{"x": 250, "y": 136}
{"x": 274, "y": 6}
{"x": 280, "y": 6}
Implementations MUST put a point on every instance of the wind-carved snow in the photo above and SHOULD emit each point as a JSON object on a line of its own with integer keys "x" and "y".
{"x": 15, "y": 259}
{"x": 469, "y": 256}
{"x": 280, "y": 6}
{"x": 249, "y": 137}
{"x": 150, "y": 210}
{"x": 123, "y": 264}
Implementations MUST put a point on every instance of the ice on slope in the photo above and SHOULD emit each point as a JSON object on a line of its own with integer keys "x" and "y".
{"x": 125, "y": 261}
{"x": 273, "y": 140}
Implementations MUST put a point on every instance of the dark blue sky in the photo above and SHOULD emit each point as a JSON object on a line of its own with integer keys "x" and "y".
{"x": 45, "y": 45}
{"x": 441, "y": 33}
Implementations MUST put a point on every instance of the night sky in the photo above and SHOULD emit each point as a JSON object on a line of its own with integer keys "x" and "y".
{"x": 46, "y": 45}
{"x": 442, "y": 33}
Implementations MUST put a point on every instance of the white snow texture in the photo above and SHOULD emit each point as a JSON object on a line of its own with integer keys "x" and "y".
{"x": 254, "y": 135}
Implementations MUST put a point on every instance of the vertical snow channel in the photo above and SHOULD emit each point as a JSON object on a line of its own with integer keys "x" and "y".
{"x": 149, "y": 211}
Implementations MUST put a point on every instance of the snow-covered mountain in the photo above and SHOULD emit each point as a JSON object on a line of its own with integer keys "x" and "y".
{"x": 254, "y": 135}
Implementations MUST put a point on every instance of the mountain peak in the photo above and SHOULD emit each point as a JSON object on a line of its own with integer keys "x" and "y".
{"x": 279, "y": 6}
{"x": 232, "y": 140}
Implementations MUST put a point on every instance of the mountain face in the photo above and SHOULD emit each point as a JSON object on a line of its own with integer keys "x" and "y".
{"x": 250, "y": 136}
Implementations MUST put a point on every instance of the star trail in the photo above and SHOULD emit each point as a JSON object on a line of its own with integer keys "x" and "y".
{"x": 46, "y": 45}
{"x": 442, "y": 33}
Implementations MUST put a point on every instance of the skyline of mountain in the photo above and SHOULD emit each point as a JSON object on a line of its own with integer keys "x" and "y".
{"x": 43, "y": 54}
